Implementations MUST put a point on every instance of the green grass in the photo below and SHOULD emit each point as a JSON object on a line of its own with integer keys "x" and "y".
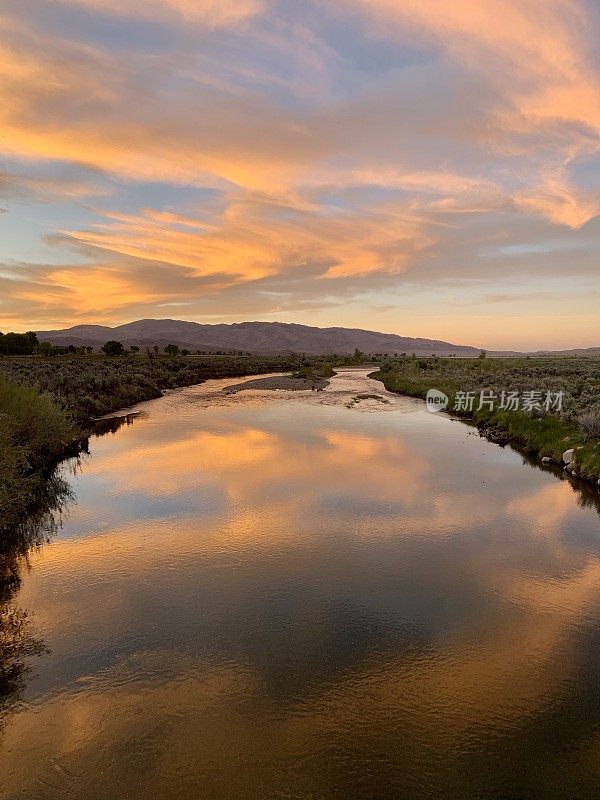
{"x": 43, "y": 402}
{"x": 34, "y": 433}
{"x": 90, "y": 386}
{"x": 315, "y": 372}
{"x": 537, "y": 434}
{"x": 47, "y": 403}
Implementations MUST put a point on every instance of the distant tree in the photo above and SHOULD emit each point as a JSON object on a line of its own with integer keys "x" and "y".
{"x": 172, "y": 349}
{"x": 112, "y": 348}
{"x": 89, "y": 350}
{"x": 134, "y": 348}
{"x": 483, "y": 354}
{"x": 18, "y": 344}
{"x": 45, "y": 349}
{"x": 32, "y": 341}
{"x": 185, "y": 352}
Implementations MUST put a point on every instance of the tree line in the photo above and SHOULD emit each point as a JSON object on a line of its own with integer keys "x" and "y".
{"x": 18, "y": 344}
{"x": 27, "y": 344}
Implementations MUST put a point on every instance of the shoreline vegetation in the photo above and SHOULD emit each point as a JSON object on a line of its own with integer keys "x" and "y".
{"x": 310, "y": 377}
{"x": 48, "y": 404}
{"x": 91, "y": 386}
{"x": 35, "y": 432}
{"x": 48, "y": 407}
{"x": 545, "y": 437}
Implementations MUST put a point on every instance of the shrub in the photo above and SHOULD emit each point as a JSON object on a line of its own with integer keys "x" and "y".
{"x": 36, "y": 424}
{"x": 34, "y": 432}
{"x": 590, "y": 424}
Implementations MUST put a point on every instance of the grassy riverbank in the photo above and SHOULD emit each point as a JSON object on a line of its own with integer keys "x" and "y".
{"x": 541, "y": 434}
{"x": 46, "y": 405}
{"x": 89, "y": 386}
{"x": 34, "y": 432}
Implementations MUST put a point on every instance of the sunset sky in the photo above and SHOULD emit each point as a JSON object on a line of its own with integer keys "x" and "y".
{"x": 424, "y": 167}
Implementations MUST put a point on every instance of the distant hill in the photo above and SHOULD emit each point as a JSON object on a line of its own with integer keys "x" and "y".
{"x": 585, "y": 352}
{"x": 254, "y": 337}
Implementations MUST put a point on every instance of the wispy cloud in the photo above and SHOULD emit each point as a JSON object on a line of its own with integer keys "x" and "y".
{"x": 280, "y": 155}
{"x": 210, "y": 13}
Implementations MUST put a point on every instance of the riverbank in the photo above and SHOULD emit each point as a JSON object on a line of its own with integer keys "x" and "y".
{"x": 47, "y": 406}
{"x": 543, "y": 436}
{"x": 35, "y": 432}
{"x": 92, "y": 386}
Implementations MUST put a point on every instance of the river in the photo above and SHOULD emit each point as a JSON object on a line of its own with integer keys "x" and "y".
{"x": 304, "y": 595}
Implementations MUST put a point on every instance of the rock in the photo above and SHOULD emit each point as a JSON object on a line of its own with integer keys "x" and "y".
{"x": 573, "y": 474}
{"x": 568, "y": 456}
{"x": 546, "y": 460}
{"x": 496, "y": 436}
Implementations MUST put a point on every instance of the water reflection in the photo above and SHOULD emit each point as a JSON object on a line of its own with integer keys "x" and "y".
{"x": 19, "y": 641}
{"x": 51, "y": 498}
{"x": 264, "y": 596}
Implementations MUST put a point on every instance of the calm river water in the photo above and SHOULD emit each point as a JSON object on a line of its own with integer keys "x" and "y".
{"x": 275, "y": 595}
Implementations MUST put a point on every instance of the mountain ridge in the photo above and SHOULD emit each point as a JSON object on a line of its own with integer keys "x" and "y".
{"x": 274, "y": 337}
{"x": 254, "y": 337}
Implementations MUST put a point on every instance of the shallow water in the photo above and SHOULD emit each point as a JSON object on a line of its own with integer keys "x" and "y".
{"x": 275, "y": 595}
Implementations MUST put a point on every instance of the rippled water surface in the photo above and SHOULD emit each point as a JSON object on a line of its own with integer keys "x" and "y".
{"x": 275, "y": 595}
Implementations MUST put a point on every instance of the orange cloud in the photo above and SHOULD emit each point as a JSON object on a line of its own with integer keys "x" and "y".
{"x": 94, "y": 289}
{"x": 539, "y": 59}
{"x": 257, "y": 237}
{"x": 560, "y": 202}
{"x": 318, "y": 171}
{"x": 65, "y": 100}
